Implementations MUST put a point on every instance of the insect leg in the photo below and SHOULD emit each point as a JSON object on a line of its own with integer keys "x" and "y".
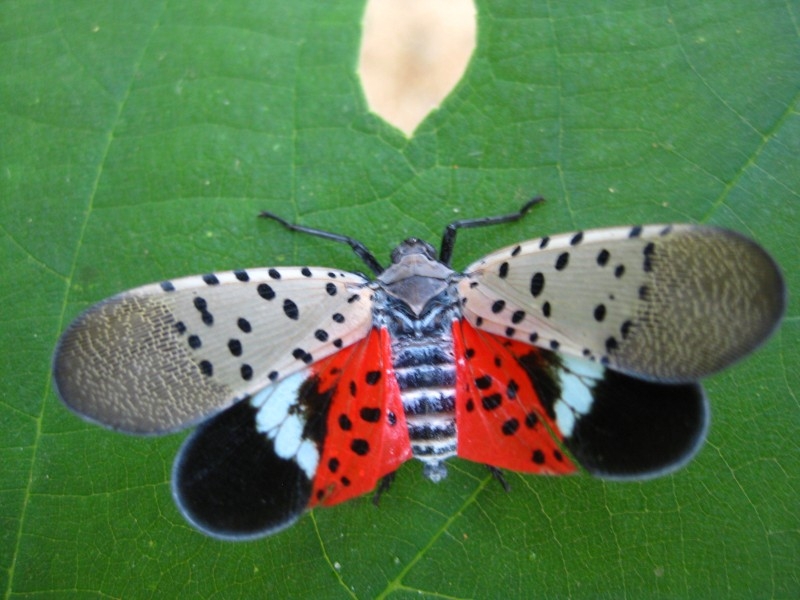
{"x": 449, "y": 235}
{"x": 360, "y": 249}
{"x": 383, "y": 486}
{"x": 498, "y": 475}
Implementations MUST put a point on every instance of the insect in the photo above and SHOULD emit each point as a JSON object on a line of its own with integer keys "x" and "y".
{"x": 580, "y": 351}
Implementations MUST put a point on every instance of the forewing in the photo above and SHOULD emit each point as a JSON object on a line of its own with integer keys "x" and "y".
{"x": 667, "y": 303}
{"x": 532, "y": 410}
{"x": 164, "y": 356}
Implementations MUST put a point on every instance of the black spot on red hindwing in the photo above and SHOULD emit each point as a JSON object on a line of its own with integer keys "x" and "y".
{"x": 492, "y": 401}
{"x": 512, "y": 389}
{"x": 360, "y": 446}
{"x": 484, "y": 382}
{"x": 370, "y": 415}
{"x": 345, "y": 423}
{"x": 373, "y": 377}
{"x": 510, "y": 426}
{"x": 538, "y": 457}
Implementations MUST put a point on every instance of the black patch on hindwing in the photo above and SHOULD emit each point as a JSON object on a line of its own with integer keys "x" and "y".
{"x": 228, "y": 481}
{"x": 638, "y": 429}
{"x": 539, "y": 366}
{"x": 635, "y": 429}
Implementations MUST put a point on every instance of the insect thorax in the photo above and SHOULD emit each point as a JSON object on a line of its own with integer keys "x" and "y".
{"x": 416, "y": 300}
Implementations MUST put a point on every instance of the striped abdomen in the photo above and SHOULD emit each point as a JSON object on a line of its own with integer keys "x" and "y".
{"x": 426, "y": 374}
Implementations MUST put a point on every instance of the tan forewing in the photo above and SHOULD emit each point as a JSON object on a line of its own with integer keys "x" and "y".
{"x": 164, "y": 356}
{"x": 662, "y": 302}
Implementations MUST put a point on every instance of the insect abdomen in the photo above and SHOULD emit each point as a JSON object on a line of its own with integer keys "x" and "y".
{"x": 426, "y": 375}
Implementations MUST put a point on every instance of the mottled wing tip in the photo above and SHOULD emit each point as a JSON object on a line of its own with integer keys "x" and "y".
{"x": 713, "y": 298}
{"x": 120, "y": 365}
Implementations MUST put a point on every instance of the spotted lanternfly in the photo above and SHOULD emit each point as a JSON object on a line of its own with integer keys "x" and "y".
{"x": 311, "y": 385}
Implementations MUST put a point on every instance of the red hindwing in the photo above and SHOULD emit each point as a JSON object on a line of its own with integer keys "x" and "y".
{"x": 367, "y": 436}
{"x": 500, "y": 417}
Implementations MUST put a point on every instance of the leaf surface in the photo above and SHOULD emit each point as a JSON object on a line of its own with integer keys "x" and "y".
{"x": 141, "y": 139}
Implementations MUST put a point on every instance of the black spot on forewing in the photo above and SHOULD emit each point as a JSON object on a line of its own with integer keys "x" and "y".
{"x": 537, "y": 284}
{"x": 290, "y": 309}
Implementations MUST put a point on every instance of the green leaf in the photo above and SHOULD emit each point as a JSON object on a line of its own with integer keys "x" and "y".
{"x": 140, "y": 140}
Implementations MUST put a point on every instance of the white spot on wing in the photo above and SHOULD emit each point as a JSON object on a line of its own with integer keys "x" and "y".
{"x": 274, "y": 402}
{"x": 274, "y": 420}
{"x": 565, "y": 418}
{"x": 289, "y": 437}
{"x": 577, "y": 379}
{"x": 308, "y": 458}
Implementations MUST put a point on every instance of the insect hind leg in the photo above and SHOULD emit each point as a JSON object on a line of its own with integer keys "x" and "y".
{"x": 360, "y": 249}
{"x": 449, "y": 235}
